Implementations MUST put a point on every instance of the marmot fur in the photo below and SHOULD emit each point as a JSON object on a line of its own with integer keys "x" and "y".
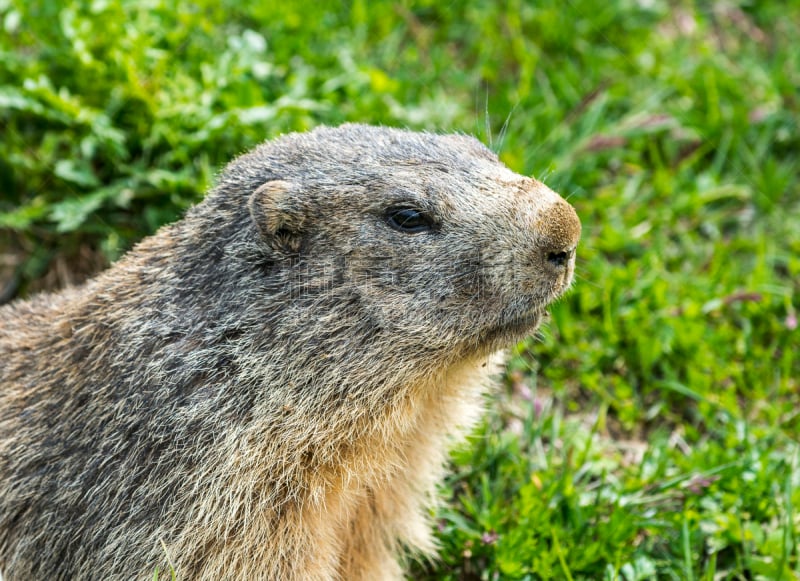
{"x": 266, "y": 388}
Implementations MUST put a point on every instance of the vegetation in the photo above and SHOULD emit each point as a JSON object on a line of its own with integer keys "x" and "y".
{"x": 651, "y": 431}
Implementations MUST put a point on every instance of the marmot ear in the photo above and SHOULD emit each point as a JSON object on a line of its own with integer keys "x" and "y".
{"x": 277, "y": 214}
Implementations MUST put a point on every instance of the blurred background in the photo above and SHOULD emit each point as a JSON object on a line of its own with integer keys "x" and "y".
{"x": 651, "y": 430}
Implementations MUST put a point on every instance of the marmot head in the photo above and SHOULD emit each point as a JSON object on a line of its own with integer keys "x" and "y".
{"x": 428, "y": 237}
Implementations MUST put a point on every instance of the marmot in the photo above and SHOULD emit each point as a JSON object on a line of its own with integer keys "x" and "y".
{"x": 266, "y": 388}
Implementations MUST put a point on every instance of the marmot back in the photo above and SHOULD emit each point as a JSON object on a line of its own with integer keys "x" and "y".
{"x": 266, "y": 389}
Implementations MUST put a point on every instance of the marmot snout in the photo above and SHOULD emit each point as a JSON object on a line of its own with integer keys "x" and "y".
{"x": 559, "y": 231}
{"x": 267, "y": 388}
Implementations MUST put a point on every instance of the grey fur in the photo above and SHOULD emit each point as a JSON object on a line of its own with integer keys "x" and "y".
{"x": 266, "y": 389}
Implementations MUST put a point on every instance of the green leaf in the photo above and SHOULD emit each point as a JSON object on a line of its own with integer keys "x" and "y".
{"x": 76, "y": 172}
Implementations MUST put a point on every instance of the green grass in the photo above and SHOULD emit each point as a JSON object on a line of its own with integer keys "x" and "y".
{"x": 651, "y": 431}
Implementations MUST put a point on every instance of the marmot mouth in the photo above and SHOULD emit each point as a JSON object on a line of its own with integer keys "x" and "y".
{"x": 514, "y": 330}
{"x": 527, "y": 322}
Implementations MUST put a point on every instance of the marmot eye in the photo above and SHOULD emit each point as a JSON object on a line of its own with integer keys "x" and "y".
{"x": 409, "y": 220}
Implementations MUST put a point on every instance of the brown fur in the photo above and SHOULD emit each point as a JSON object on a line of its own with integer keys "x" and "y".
{"x": 267, "y": 388}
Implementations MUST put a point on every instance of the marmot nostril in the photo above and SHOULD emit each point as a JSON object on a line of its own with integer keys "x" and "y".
{"x": 558, "y": 258}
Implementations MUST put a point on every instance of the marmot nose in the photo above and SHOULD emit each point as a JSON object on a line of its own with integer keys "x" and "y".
{"x": 561, "y": 231}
